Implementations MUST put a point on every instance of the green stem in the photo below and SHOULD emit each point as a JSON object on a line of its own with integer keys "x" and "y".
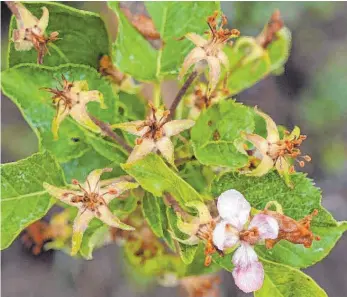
{"x": 157, "y": 95}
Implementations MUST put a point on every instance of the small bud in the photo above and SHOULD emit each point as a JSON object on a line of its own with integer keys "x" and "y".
{"x": 75, "y": 182}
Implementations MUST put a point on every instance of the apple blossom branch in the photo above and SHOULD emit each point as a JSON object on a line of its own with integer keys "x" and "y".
{"x": 182, "y": 91}
{"x": 110, "y": 133}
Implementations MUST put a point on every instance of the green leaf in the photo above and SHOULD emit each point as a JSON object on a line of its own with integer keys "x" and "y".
{"x": 243, "y": 75}
{"x": 284, "y": 281}
{"x": 83, "y": 37}
{"x": 23, "y": 198}
{"x": 156, "y": 177}
{"x": 134, "y": 106}
{"x": 216, "y": 134}
{"x": 296, "y": 203}
{"x": 93, "y": 237}
{"x": 23, "y": 83}
{"x": 80, "y": 167}
{"x": 279, "y": 49}
{"x": 187, "y": 252}
{"x": 151, "y": 212}
{"x": 165, "y": 225}
{"x": 144, "y": 62}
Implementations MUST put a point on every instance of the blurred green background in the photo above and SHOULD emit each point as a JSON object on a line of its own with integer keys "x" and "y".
{"x": 311, "y": 93}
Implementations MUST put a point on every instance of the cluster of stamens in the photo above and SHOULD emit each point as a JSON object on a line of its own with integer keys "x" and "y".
{"x": 91, "y": 200}
{"x": 155, "y": 125}
{"x": 290, "y": 148}
{"x": 251, "y": 236}
{"x": 220, "y": 35}
{"x": 62, "y": 96}
{"x": 205, "y": 233}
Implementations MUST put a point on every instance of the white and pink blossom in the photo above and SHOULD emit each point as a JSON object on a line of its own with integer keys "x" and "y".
{"x": 233, "y": 230}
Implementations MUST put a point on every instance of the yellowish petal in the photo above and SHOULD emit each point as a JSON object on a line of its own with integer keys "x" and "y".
{"x": 259, "y": 142}
{"x": 295, "y": 134}
{"x": 214, "y": 73}
{"x": 134, "y": 127}
{"x": 264, "y": 167}
{"x": 196, "y": 39}
{"x": 187, "y": 228}
{"x": 223, "y": 58}
{"x": 80, "y": 225}
{"x": 26, "y": 20}
{"x": 62, "y": 113}
{"x": 110, "y": 219}
{"x": 120, "y": 188}
{"x": 255, "y": 51}
{"x": 61, "y": 193}
{"x": 271, "y": 127}
{"x": 203, "y": 212}
{"x": 81, "y": 85}
{"x": 177, "y": 126}
{"x": 87, "y": 96}
{"x": 19, "y": 43}
{"x": 43, "y": 22}
{"x": 283, "y": 167}
{"x": 79, "y": 113}
{"x": 195, "y": 56}
{"x": 166, "y": 147}
{"x": 92, "y": 183}
{"x": 141, "y": 150}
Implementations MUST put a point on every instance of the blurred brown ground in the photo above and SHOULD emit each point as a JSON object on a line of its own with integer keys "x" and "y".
{"x": 319, "y": 36}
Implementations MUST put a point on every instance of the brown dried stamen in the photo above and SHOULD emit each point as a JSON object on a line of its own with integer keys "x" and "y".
{"x": 251, "y": 236}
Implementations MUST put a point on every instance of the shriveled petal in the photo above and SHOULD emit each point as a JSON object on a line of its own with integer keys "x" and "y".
{"x": 234, "y": 208}
{"x": 166, "y": 147}
{"x": 223, "y": 58}
{"x": 203, "y": 212}
{"x": 19, "y": 43}
{"x": 271, "y": 127}
{"x": 27, "y": 19}
{"x": 267, "y": 226}
{"x": 264, "y": 167}
{"x": 141, "y": 150}
{"x": 225, "y": 236}
{"x": 87, "y": 96}
{"x": 196, "y": 39}
{"x": 244, "y": 256}
{"x": 43, "y": 22}
{"x": 92, "y": 183}
{"x": 105, "y": 215}
{"x": 79, "y": 86}
{"x": 214, "y": 73}
{"x": 249, "y": 279}
{"x": 177, "y": 126}
{"x": 294, "y": 134}
{"x": 62, "y": 113}
{"x": 80, "y": 114}
{"x": 80, "y": 225}
{"x": 196, "y": 55}
{"x": 193, "y": 240}
{"x": 187, "y": 228}
{"x": 61, "y": 194}
{"x": 260, "y": 143}
{"x": 120, "y": 187}
{"x": 135, "y": 127}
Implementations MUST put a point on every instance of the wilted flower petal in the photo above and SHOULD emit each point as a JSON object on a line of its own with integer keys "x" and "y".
{"x": 264, "y": 167}
{"x": 214, "y": 73}
{"x": 266, "y": 225}
{"x": 177, "y": 126}
{"x": 166, "y": 147}
{"x": 250, "y": 278}
{"x": 225, "y": 236}
{"x": 144, "y": 148}
{"x": 196, "y": 39}
{"x": 195, "y": 56}
{"x": 135, "y": 127}
{"x": 234, "y": 208}
{"x": 271, "y": 127}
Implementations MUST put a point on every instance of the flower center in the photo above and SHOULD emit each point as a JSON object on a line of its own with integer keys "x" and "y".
{"x": 154, "y": 125}
{"x": 251, "y": 236}
{"x": 289, "y": 148}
